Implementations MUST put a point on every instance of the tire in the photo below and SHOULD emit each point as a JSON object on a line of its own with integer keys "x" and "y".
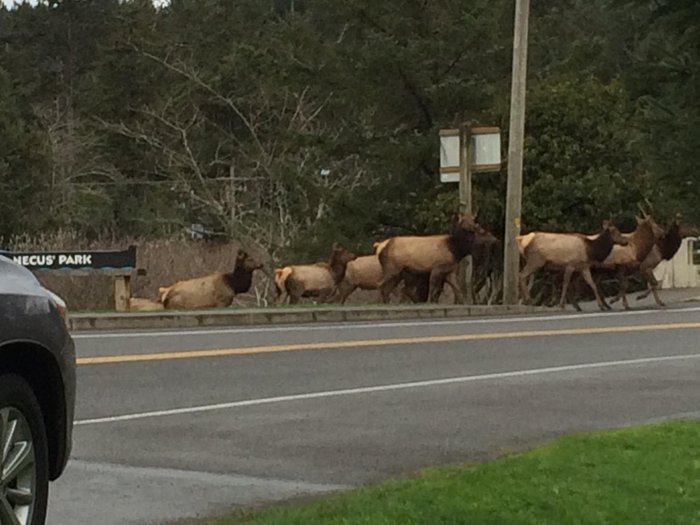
{"x": 24, "y": 496}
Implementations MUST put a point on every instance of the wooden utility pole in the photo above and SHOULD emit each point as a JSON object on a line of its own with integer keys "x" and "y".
{"x": 516, "y": 136}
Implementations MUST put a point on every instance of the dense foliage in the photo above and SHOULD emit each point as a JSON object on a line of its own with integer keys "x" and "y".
{"x": 293, "y": 123}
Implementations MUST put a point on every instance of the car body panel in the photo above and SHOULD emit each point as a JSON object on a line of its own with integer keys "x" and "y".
{"x": 30, "y": 321}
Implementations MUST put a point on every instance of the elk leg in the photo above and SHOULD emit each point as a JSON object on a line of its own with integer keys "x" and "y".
{"x": 387, "y": 286}
{"x": 589, "y": 279}
{"x": 421, "y": 288}
{"x": 281, "y": 296}
{"x": 392, "y": 277}
{"x": 622, "y": 281}
{"x": 652, "y": 284}
{"x": 572, "y": 295}
{"x": 437, "y": 281}
{"x": 568, "y": 272}
{"x": 326, "y": 295}
{"x": 451, "y": 279}
{"x": 344, "y": 291}
{"x": 524, "y": 274}
{"x": 295, "y": 289}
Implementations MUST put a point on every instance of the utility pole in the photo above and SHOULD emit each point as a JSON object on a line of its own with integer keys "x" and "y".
{"x": 516, "y": 136}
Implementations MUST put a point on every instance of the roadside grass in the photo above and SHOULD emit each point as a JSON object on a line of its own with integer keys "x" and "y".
{"x": 641, "y": 475}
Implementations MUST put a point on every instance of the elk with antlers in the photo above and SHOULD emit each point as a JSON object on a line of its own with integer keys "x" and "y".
{"x": 664, "y": 249}
{"x": 624, "y": 260}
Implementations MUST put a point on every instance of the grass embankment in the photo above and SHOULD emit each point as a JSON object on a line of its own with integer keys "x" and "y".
{"x": 643, "y": 475}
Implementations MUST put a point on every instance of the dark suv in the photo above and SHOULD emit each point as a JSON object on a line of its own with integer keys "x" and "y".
{"x": 37, "y": 394}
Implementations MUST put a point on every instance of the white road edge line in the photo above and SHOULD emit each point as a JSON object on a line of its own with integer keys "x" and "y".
{"x": 355, "y": 326}
{"x": 383, "y": 388}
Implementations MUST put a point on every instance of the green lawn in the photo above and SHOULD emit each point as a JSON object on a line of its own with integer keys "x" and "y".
{"x": 644, "y": 475}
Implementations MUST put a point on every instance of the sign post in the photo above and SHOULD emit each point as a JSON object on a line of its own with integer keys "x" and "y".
{"x": 464, "y": 151}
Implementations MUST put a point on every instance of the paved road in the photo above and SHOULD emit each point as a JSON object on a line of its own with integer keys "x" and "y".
{"x": 188, "y": 423}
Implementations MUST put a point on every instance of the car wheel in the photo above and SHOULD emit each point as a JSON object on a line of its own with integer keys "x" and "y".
{"x": 23, "y": 455}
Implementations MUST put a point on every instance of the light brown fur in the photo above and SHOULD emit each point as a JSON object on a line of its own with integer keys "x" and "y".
{"x": 571, "y": 252}
{"x": 209, "y": 291}
{"x": 138, "y": 304}
{"x": 364, "y": 272}
{"x": 312, "y": 280}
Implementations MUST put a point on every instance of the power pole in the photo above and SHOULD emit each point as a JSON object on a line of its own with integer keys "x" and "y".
{"x": 516, "y": 136}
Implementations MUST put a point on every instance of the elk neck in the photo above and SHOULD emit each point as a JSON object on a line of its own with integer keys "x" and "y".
{"x": 337, "y": 267}
{"x": 599, "y": 248}
{"x": 671, "y": 242}
{"x": 460, "y": 243}
{"x": 643, "y": 240}
{"x": 239, "y": 280}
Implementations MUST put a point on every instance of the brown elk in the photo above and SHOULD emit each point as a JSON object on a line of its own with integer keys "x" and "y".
{"x": 624, "y": 260}
{"x": 664, "y": 249}
{"x": 211, "y": 291}
{"x": 435, "y": 255}
{"x": 571, "y": 252}
{"x": 366, "y": 273}
{"x": 416, "y": 285}
{"x": 313, "y": 280}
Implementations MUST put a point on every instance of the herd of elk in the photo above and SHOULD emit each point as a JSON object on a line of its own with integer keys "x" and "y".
{"x": 426, "y": 263}
{"x": 423, "y": 263}
{"x": 609, "y": 253}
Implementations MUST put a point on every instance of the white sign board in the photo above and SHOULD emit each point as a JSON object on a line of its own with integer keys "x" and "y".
{"x": 486, "y": 149}
{"x": 449, "y": 155}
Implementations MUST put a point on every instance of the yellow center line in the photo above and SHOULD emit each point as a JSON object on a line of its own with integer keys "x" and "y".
{"x": 330, "y": 345}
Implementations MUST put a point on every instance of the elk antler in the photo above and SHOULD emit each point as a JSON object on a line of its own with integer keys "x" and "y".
{"x": 644, "y": 212}
{"x": 649, "y": 204}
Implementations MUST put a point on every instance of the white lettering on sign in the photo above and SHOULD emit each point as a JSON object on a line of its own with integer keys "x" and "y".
{"x": 48, "y": 260}
{"x": 74, "y": 259}
{"x": 35, "y": 260}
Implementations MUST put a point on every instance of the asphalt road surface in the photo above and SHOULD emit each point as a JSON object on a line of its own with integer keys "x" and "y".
{"x": 183, "y": 424}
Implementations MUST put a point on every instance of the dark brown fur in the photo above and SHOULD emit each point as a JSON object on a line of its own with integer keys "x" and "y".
{"x": 241, "y": 278}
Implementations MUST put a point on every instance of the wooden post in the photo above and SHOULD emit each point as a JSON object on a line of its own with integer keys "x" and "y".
{"x": 465, "y": 205}
{"x": 511, "y": 257}
{"x": 122, "y": 292}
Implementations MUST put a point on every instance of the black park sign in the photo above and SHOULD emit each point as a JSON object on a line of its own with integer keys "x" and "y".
{"x": 76, "y": 260}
